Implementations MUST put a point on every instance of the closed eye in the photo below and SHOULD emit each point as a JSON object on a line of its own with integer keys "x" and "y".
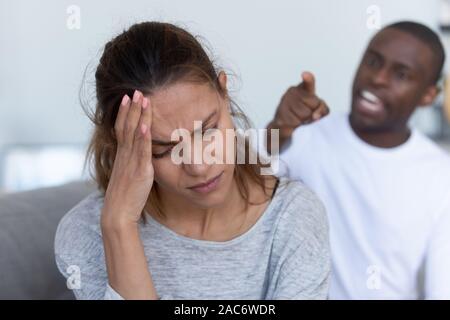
{"x": 210, "y": 128}
{"x": 162, "y": 154}
{"x": 169, "y": 149}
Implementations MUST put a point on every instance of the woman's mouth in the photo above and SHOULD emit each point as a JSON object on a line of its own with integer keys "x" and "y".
{"x": 207, "y": 186}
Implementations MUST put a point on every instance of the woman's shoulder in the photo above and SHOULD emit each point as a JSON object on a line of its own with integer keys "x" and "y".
{"x": 80, "y": 225}
{"x": 297, "y": 199}
{"x": 300, "y": 213}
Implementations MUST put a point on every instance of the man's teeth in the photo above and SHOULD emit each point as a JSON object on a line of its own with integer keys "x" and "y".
{"x": 369, "y": 96}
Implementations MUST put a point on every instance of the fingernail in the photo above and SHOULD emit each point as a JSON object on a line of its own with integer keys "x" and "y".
{"x": 144, "y": 103}
{"x": 136, "y": 96}
{"x": 125, "y": 100}
{"x": 143, "y": 129}
{"x": 316, "y": 116}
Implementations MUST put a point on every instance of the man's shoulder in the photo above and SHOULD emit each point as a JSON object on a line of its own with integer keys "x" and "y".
{"x": 319, "y": 135}
{"x": 431, "y": 151}
{"x": 332, "y": 124}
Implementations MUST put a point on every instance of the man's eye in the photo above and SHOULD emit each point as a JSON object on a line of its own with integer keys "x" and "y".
{"x": 402, "y": 75}
{"x": 371, "y": 61}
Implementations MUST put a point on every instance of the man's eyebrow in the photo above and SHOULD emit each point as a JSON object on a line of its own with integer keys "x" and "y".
{"x": 173, "y": 143}
{"x": 402, "y": 65}
{"x": 374, "y": 52}
{"x": 398, "y": 64}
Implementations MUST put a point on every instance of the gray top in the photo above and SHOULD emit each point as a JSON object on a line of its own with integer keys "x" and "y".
{"x": 284, "y": 255}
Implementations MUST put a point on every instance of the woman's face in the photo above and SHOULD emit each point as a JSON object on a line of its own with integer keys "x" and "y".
{"x": 201, "y": 183}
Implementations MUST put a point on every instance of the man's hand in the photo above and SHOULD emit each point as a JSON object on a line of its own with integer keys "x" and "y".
{"x": 299, "y": 105}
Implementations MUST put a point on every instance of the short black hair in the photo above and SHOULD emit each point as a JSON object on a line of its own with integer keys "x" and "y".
{"x": 427, "y": 36}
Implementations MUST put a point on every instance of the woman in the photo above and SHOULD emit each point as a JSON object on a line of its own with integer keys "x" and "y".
{"x": 157, "y": 229}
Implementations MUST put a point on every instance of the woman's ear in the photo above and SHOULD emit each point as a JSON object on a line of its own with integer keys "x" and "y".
{"x": 430, "y": 94}
{"x": 223, "y": 81}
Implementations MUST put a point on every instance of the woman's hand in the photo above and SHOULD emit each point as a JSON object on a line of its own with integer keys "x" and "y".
{"x": 132, "y": 175}
{"x": 126, "y": 195}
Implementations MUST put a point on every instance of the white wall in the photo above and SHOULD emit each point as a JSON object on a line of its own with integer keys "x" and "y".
{"x": 266, "y": 43}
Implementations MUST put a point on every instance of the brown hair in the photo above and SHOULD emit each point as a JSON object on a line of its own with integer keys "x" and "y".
{"x": 148, "y": 56}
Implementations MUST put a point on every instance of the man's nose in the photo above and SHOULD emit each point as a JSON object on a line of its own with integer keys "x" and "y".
{"x": 381, "y": 77}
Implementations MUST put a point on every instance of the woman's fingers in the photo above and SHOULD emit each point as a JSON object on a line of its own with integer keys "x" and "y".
{"x": 121, "y": 118}
{"x": 146, "y": 115}
{"x": 132, "y": 120}
{"x": 143, "y": 145}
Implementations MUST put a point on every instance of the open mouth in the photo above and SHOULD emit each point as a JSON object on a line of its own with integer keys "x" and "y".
{"x": 368, "y": 102}
{"x": 207, "y": 186}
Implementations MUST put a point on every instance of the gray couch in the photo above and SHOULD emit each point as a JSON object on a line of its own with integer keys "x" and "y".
{"x": 28, "y": 222}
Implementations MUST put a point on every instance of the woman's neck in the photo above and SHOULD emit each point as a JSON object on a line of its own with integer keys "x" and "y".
{"x": 221, "y": 223}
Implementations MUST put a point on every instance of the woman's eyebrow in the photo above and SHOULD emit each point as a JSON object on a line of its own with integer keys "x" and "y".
{"x": 208, "y": 119}
{"x": 173, "y": 143}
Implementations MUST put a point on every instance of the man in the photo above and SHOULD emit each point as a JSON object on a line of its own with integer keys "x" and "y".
{"x": 386, "y": 187}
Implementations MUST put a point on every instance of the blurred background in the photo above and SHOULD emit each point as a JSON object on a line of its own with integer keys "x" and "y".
{"x": 48, "y": 46}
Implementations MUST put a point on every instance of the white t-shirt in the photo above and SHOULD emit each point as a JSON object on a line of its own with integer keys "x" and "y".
{"x": 388, "y": 209}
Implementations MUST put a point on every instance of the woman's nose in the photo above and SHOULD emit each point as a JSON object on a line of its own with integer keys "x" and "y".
{"x": 197, "y": 169}
{"x": 194, "y": 162}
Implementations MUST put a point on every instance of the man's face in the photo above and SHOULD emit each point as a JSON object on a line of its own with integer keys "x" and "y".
{"x": 394, "y": 77}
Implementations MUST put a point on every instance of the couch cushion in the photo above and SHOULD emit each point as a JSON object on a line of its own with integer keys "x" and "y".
{"x": 28, "y": 222}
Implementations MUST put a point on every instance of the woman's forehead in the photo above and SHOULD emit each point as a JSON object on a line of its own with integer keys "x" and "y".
{"x": 179, "y": 105}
